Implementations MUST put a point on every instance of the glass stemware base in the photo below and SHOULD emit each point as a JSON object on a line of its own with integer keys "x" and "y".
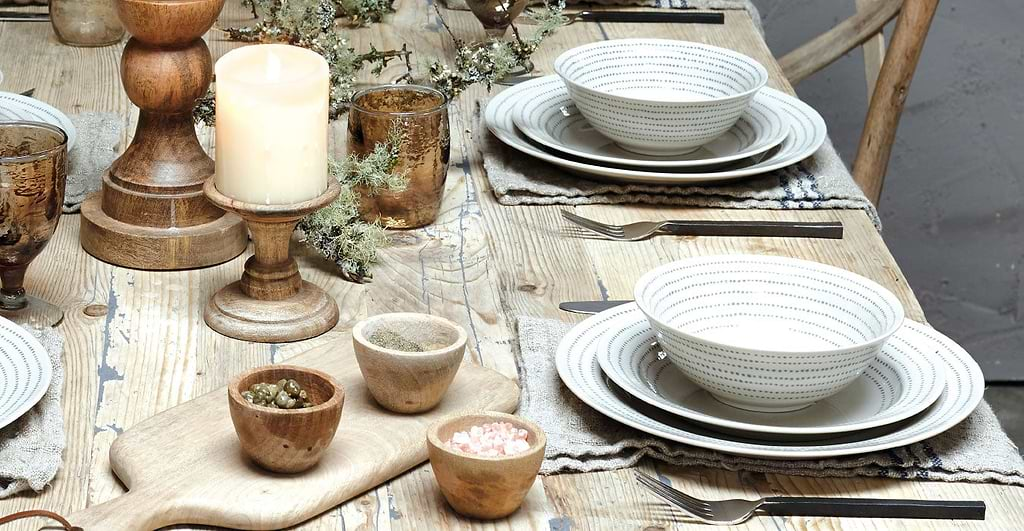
{"x": 35, "y": 313}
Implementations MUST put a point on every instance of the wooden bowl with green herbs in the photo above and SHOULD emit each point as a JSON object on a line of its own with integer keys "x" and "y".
{"x": 285, "y": 416}
{"x": 408, "y": 359}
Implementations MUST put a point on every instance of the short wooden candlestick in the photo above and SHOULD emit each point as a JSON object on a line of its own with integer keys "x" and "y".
{"x": 151, "y": 212}
{"x": 271, "y": 303}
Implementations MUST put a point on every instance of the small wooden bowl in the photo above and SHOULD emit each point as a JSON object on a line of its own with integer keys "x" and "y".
{"x": 484, "y": 487}
{"x": 286, "y": 440}
{"x": 409, "y": 382}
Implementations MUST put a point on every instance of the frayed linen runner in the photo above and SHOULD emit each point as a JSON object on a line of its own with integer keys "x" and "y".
{"x": 580, "y": 439}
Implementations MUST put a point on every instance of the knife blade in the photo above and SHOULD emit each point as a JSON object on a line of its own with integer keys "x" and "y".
{"x": 589, "y": 307}
{"x": 18, "y": 16}
{"x": 678, "y": 17}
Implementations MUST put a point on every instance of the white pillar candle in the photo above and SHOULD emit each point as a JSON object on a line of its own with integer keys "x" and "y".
{"x": 272, "y": 112}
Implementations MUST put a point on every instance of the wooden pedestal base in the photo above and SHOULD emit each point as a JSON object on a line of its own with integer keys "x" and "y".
{"x": 160, "y": 248}
{"x": 271, "y": 303}
{"x": 308, "y": 313}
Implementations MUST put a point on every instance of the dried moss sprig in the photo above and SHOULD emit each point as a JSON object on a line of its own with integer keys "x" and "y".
{"x": 337, "y": 231}
{"x": 354, "y": 12}
{"x": 496, "y": 59}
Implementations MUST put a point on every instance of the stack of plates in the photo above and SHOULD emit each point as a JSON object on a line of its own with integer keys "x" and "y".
{"x": 920, "y": 385}
{"x": 539, "y": 118}
{"x": 25, "y": 371}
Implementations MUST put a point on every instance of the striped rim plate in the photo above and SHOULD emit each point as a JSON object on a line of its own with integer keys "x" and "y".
{"x": 900, "y": 383}
{"x": 576, "y": 360}
{"x": 25, "y": 371}
{"x": 540, "y": 116}
{"x": 806, "y": 135}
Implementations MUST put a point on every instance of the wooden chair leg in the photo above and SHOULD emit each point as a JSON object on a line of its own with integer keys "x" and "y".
{"x": 890, "y": 94}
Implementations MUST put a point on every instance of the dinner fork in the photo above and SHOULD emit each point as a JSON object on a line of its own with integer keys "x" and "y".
{"x": 646, "y": 229}
{"x": 731, "y": 512}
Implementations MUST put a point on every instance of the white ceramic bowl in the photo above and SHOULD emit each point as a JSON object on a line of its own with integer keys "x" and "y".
{"x": 660, "y": 97}
{"x": 767, "y": 333}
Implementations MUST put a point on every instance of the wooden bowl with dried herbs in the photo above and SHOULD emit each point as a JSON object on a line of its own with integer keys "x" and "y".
{"x": 408, "y": 359}
{"x": 285, "y": 416}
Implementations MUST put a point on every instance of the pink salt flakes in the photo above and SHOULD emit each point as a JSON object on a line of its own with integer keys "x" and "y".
{"x": 490, "y": 440}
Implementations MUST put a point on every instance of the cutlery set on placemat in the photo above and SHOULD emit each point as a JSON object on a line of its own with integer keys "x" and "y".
{"x": 656, "y": 111}
{"x": 768, "y": 357}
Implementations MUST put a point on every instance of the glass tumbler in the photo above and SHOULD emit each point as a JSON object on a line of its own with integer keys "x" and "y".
{"x": 86, "y": 22}
{"x": 420, "y": 114}
{"x": 33, "y": 172}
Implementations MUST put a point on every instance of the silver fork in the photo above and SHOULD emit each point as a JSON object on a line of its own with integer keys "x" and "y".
{"x": 731, "y": 512}
{"x": 646, "y": 229}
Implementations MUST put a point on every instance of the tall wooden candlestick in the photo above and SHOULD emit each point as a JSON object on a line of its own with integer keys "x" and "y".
{"x": 271, "y": 303}
{"x": 151, "y": 212}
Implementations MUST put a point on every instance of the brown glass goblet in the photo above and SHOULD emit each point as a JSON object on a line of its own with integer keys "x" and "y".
{"x": 496, "y": 15}
{"x": 33, "y": 171}
{"x": 420, "y": 115}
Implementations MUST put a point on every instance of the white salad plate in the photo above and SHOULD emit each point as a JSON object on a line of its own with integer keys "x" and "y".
{"x": 900, "y": 383}
{"x": 807, "y": 133}
{"x": 25, "y": 371}
{"x": 549, "y": 117}
{"x": 577, "y": 363}
{"x": 18, "y": 108}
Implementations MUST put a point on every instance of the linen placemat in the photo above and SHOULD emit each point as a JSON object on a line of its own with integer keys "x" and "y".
{"x": 98, "y": 136}
{"x": 580, "y": 439}
{"x": 31, "y": 447}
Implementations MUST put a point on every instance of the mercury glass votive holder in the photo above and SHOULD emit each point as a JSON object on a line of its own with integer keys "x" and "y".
{"x": 420, "y": 116}
{"x": 33, "y": 173}
{"x": 86, "y": 22}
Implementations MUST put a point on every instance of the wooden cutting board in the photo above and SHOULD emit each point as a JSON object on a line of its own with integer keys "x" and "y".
{"x": 184, "y": 466}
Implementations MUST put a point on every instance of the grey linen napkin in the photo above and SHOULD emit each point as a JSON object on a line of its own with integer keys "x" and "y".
{"x": 98, "y": 136}
{"x": 582, "y": 440}
{"x": 31, "y": 447}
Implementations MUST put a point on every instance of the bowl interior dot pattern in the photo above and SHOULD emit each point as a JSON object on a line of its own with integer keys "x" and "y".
{"x": 670, "y": 70}
{"x": 767, "y": 332}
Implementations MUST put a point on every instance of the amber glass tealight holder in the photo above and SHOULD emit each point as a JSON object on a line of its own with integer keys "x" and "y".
{"x": 271, "y": 303}
{"x": 33, "y": 173}
{"x": 421, "y": 115}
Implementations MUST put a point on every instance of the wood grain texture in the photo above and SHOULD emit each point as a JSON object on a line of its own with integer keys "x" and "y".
{"x": 480, "y": 265}
{"x": 484, "y": 487}
{"x": 286, "y": 440}
{"x": 824, "y": 49}
{"x": 271, "y": 303}
{"x": 890, "y": 94}
{"x": 185, "y": 465}
{"x": 409, "y": 381}
{"x": 151, "y": 212}
{"x": 874, "y": 51}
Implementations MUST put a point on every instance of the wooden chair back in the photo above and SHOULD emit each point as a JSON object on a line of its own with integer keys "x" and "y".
{"x": 888, "y": 73}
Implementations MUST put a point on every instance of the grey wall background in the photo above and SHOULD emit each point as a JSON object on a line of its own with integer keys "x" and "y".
{"x": 952, "y": 204}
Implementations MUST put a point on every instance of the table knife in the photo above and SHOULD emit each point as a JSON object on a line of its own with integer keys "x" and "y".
{"x": 677, "y": 17}
{"x": 18, "y": 16}
{"x": 589, "y": 307}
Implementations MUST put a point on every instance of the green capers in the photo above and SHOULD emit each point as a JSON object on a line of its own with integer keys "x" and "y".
{"x": 285, "y": 394}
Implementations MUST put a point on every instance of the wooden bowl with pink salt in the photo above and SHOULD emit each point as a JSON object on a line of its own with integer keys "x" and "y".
{"x": 485, "y": 462}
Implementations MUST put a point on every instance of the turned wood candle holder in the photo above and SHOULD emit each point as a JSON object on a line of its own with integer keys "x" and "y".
{"x": 271, "y": 303}
{"x": 151, "y": 212}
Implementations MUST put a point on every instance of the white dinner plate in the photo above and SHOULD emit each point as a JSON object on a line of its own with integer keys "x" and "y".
{"x": 807, "y": 133}
{"x": 25, "y": 371}
{"x": 548, "y": 116}
{"x": 576, "y": 360}
{"x": 18, "y": 108}
{"x": 900, "y": 383}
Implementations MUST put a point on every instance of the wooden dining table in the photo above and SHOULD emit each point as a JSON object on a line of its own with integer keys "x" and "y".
{"x": 136, "y": 343}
